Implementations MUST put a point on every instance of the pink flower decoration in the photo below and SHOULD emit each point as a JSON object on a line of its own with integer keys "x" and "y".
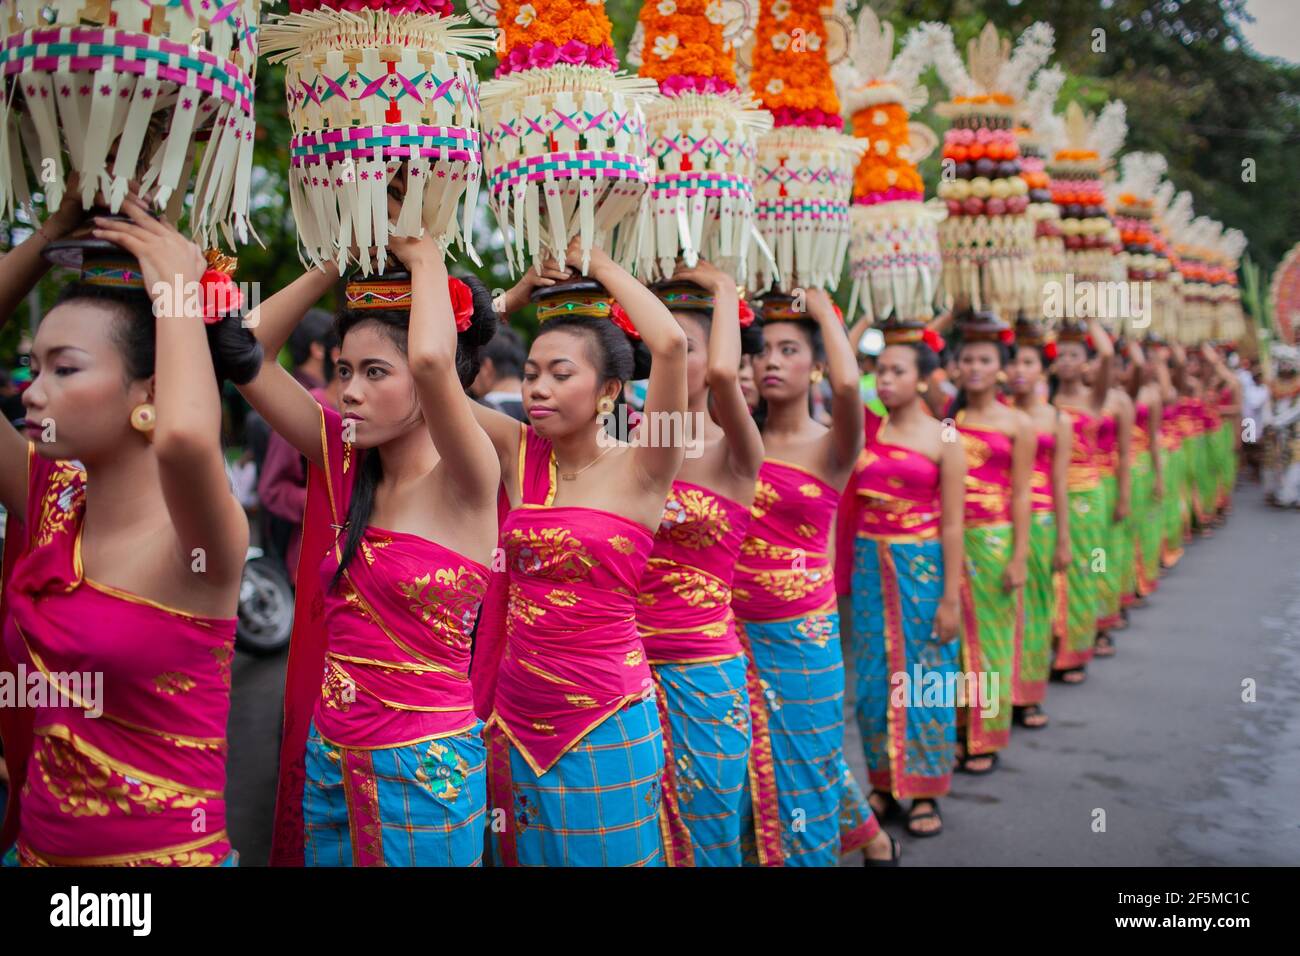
{"x": 792, "y": 116}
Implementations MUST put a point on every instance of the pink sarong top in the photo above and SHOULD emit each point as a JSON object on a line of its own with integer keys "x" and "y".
{"x": 1041, "y": 494}
{"x": 398, "y": 631}
{"x": 684, "y": 609}
{"x": 897, "y": 490}
{"x": 1083, "y": 474}
{"x": 784, "y": 571}
{"x": 988, "y": 474}
{"x": 1107, "y": 447}
{"x": 1141, "y": 422}
{"x": 572, "y": 656}
{"x": 382, "y": 659}
{"x": 143, "y": 783}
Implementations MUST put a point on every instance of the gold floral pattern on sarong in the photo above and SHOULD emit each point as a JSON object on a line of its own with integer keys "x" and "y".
{"x": 61, "y": 502}
{"x": 694, "y": 519}
{"x": 758, "y": 547}
{"x": 522, "y": 608}
{"x": 550, "y": 553}
{"x": 87, "y": 786}
{"x": 580, "y": 700}
{"x": 792, "y": 584}
{"x": 223, "y": 656}
{"x": 698, "y": 589}
{"x": 621, "y": 544}
{"x": 562, "y": 597}
{"x": 977, "y": 450}
{"x": 765, "y": 497}
{"x": 369, "y": 547}
{"x": 338, "y": 690}
{"x": 633, "y": 658}
{"x": 353, "y": 600}
{"x": 448, "y": 600}
{"x": 809, "y": 490}
{"x": 173, "y": 682}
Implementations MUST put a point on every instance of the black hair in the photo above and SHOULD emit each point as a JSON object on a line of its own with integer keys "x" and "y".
{"x": 507, "y": 352}
{"x": 317, "y": 326}
{"x": 927, "y": 359}
{"x": 236, "y": 354}
{"x": 396, "y": 323}
{"x": 1004, "y": 356}
{"x": 616, "y": 355}
{"x": 751, "y": 338}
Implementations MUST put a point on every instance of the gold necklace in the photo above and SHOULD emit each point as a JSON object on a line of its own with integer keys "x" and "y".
{"x": 570, "y": 475}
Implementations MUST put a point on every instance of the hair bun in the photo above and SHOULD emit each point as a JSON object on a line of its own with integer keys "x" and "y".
{"x": 236, "y": 353}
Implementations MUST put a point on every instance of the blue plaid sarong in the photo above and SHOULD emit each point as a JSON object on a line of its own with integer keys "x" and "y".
{"x": 431, "y": 798}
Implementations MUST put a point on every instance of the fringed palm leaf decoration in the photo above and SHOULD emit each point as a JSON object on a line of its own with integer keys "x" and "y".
{"x": 122, "y": 92}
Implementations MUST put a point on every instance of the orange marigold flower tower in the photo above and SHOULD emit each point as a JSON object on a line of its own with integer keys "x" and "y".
{"x": 564, "y": 138}
{"x": 805, "y": 164}
{"x": 894, "y": 246}
{"x": 377, "y": 95}
{"x": 703, "y": 134}
{"x": 1181, "y": 227}
{"x": 122, "y": 90}
{"x": 1134, "y": 199}
{"x": 1092, "y": 246}
{"x": 1229, "y": 320}
{"x": 987, "y": 238}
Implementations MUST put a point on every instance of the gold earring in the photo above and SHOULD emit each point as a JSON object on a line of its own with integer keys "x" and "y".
{"x": 142, "y": 419}
{"x": 922, "y": 388}
{"x": 605, "y": 405}
{"x": 1001, "y": 377}
{"x": 816, "y": 376}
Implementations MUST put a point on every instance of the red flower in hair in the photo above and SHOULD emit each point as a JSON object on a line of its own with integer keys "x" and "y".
{"x": 933, "y": 339}
{"x": 746, "y": 315}
{"x": 839, "y": 313}
{"x": 462, "y": 303}
{"x": 1007, "y": 336}
{"x": 1049, "y": 351}
{"x": 619, "y": 318}
{"x": 220, "y": 295}
{"x": 1088, "y": 341}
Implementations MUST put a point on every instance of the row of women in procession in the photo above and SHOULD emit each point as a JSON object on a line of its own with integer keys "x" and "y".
{"x": 566, "y": 642}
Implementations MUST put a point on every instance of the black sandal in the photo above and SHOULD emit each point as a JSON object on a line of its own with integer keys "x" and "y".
{"x": 963, "y": 765}
{"x": 1059, "y": 677}
{"x": 895, "y": 854}
{"x": 1104, "y": 646}
{"x": 933, "y": 813}
{"x": 1021, "y": 716}
{"x": 892, "y": 807}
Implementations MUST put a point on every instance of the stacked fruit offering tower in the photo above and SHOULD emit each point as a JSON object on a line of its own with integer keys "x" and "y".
{"x": 805, "y": 164}
{"x": 377, "y": 97}
{"x": 1036, "y": 135}
{"x": 894, "y": 247}
{"x": 987, "y": 238}
{"x": 119, "y": 92}
{"x": 564, "y": 138}
{"x": 1191, "y": 236}
{"x": 1174, "y": 214}
{"x": 1229, "y": 321}
{"x": 1092, "y": 244}
{"x": 1145, "y": 252}
{"x": 703, "y": 134}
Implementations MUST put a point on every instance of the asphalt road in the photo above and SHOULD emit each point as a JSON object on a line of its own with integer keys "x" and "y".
{"x": 1159, "y": 738}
